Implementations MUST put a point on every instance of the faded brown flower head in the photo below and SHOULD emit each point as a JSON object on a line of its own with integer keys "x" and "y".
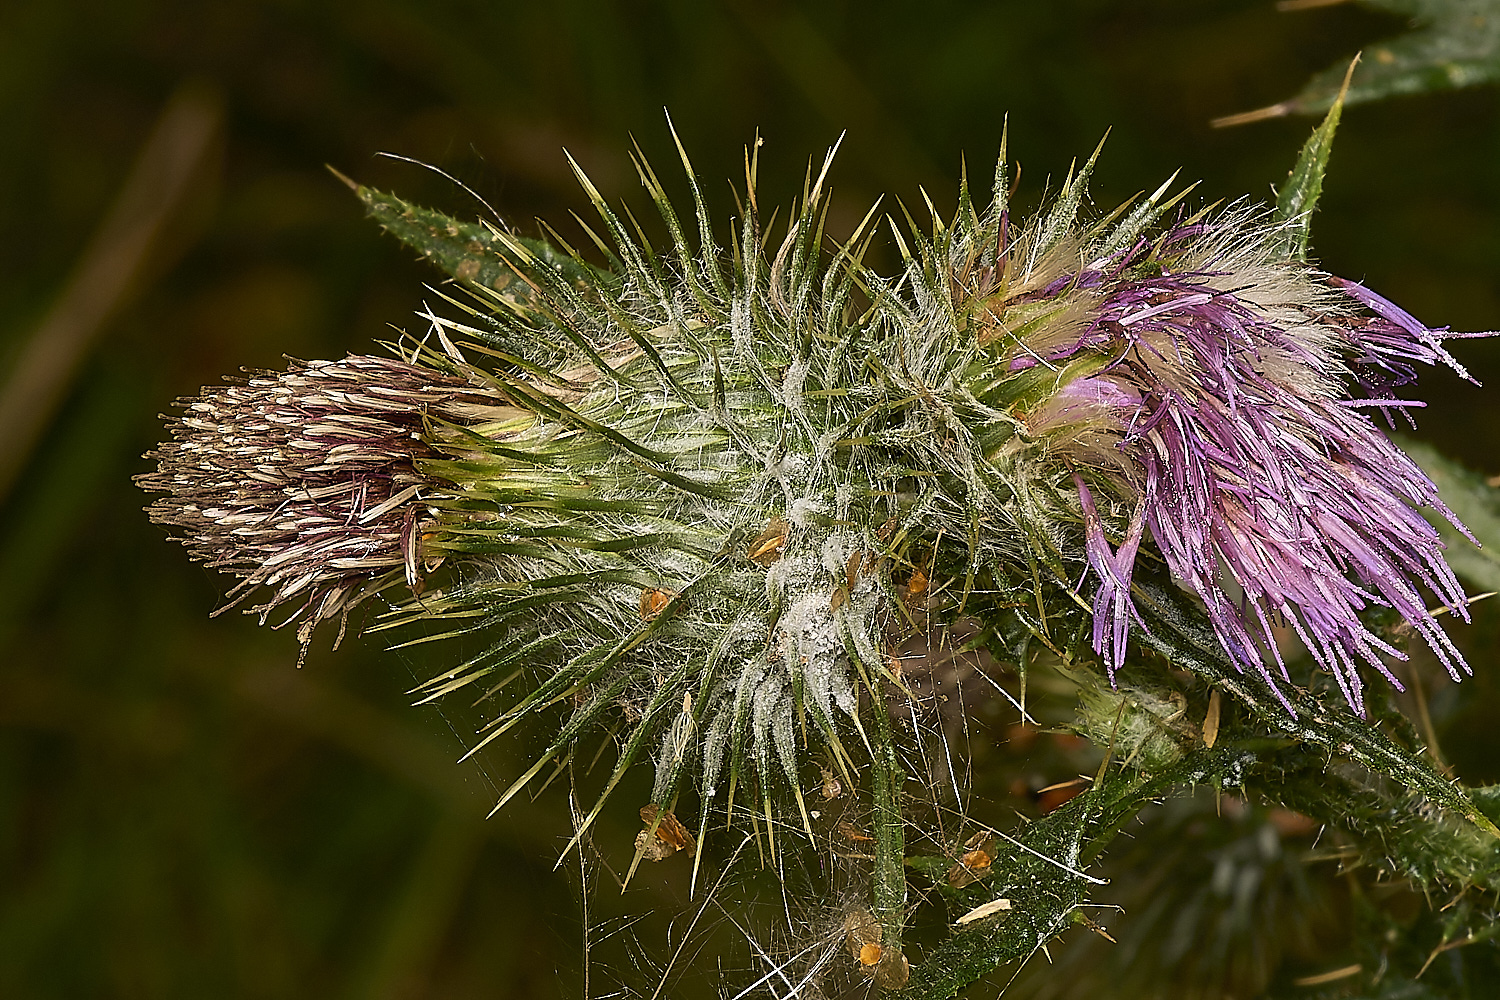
{"x": 308, "y": 482}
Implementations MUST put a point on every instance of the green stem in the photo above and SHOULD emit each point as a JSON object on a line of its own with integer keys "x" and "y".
{"x": 890, "y": 849}
{"x": 1179, "y": 633}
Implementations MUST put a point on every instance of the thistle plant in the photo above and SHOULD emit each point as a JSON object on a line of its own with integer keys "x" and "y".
{"x": 701, "y": 497}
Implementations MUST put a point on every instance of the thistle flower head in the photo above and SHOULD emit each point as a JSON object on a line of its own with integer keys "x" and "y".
{"x": 696, "y": 503}
{"x": 664, "y": 493}
{"x": 1218, "y": 392}
{"x": 705, "y": 487}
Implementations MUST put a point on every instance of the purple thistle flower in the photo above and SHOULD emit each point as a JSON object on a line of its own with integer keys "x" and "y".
{"x": 1113, "y": 608}
{"x": 1222, "y": 415}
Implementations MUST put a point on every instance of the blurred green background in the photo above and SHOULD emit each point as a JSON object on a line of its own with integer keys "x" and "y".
{"x": 183, "y": 813}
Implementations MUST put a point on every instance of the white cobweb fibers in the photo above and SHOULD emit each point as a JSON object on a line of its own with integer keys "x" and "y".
{"x": 782, "y": 917}
{"x": 785, "y": 919}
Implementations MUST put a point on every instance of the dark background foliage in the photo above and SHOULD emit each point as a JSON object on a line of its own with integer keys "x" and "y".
{"x": 183, "y": 813}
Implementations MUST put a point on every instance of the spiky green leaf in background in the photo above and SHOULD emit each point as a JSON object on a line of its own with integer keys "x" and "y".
{"x": 1451, "y": 44}
{"x": 1476, "y": 500}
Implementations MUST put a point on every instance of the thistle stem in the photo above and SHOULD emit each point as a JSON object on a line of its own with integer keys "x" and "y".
{"x": 890, "y": 849}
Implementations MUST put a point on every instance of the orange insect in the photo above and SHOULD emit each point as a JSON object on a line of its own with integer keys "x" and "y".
{"x": 863, "y": 933}
{"x": 767, "y": 546}
{"x": 974, "y": 864}
{"x": 852, "y": 833}
{"x": 654, "y": 602}
{"x": 670, "y": 837}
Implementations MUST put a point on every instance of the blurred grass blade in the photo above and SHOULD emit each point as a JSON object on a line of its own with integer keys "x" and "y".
{"x": 127, "y": 243}
{"x": 1477, "y": 505}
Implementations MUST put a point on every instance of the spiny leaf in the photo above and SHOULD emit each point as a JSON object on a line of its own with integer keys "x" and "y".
{"x": 1453, "y": 44}
{"x": 1298, "y": 197}
{"x": 468, "y": 251}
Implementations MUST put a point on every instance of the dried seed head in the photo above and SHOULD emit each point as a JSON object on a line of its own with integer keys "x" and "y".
{"x": 308, "y": 482}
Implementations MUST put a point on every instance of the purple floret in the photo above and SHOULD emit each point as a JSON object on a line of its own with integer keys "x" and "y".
{"x": 1269, "y": 494}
